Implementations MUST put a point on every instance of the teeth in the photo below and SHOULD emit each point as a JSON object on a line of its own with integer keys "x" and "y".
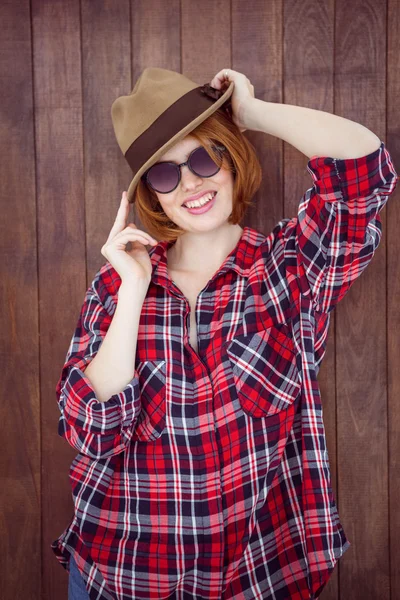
{"x": 200, "y": 201}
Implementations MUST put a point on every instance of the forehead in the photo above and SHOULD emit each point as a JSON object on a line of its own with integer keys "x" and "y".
{"x": 181, "y": 150}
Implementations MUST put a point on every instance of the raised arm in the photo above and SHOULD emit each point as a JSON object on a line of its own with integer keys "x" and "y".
{"x": 338, "y": 227}
{"x": 313, "y": 132}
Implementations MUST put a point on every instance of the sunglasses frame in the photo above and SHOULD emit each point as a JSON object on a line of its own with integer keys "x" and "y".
{"x": 144, "y": 177}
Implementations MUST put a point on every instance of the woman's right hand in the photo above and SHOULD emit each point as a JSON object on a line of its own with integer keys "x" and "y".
{"x": 135, "y": 263}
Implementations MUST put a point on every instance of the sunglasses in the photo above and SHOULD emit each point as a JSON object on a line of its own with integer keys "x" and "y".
{"x": 164, "y": 177}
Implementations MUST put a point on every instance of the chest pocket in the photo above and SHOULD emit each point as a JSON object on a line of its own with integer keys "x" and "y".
{"x": 264, "y": 370}
{"x": 152, "y": 380}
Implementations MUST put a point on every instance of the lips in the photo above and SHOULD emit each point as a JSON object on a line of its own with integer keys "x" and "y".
{"x": 198, "y": 196}
{"x": 199, "y": 210}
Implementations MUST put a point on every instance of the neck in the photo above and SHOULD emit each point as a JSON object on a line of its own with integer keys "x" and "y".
{"x": 203, "y": 251}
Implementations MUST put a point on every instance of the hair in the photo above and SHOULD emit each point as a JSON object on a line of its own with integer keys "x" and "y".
{"x": 241, "y": 159}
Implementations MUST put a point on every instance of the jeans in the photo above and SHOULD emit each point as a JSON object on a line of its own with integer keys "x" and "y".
{"x": 76, "y": 585}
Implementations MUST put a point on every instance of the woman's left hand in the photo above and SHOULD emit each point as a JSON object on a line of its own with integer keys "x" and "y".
{"x": 243, "y": 92}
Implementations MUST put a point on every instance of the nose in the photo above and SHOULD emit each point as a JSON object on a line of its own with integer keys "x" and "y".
{"x": 188, "y": 179}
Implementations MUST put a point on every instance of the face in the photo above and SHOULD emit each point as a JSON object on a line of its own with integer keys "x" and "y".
{"x": 190, "y": 184}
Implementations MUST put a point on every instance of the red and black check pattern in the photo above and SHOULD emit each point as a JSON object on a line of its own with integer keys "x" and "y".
{"x": 208, "y": 476}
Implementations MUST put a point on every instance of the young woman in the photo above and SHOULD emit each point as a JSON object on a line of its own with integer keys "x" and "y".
{"x": 190, "y": 385}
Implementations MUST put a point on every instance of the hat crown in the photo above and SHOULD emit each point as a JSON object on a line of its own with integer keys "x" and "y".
{"x": 154, "y": 92}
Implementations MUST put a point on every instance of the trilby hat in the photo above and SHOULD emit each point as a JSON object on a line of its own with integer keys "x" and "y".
{"x": 163, "y": 107}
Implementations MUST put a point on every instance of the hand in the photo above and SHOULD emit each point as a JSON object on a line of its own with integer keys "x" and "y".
{"x": 243, "y": 93}
{"x": 135, "y": 263}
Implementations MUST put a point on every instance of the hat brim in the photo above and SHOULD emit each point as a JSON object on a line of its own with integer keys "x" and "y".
{"x": 176, "y": 138}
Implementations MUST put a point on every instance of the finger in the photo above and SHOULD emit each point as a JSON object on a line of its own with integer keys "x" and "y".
{"x": 132, "y": 235}
{"x": 116, "y": 232}
{"x": 219, "y": 79}
{"x": 120, "y": 219}
{"x": 125, "y": 239}
{"x": 123, "y": 208}
{"x": 218, "y": 82}
{"x": 133, "y": 227}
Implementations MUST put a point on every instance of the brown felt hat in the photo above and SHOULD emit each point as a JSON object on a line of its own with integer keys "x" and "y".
{"x": 163, "y": 107}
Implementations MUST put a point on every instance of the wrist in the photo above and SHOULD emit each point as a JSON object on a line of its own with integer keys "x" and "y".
{"x": 258, "y": 115}
{"x": 249, "y": 114}
{"x": 133, "y": 286}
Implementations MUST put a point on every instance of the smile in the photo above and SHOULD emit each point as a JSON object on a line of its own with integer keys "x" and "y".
{"x": 204, "y": 207}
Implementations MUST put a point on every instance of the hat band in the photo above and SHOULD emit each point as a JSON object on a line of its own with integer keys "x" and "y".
{"x": 173, "y": 119}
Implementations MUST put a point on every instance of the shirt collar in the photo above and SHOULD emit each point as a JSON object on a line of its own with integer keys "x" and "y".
{"x": 240, "y": 259}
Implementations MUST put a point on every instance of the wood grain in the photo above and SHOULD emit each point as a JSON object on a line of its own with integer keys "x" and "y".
{"x": 361, "y": 352}
{"x": 61, "y": 248}
{"x": 393, "y": 296}
{"x": 20, "y": 417}
{"x": 62, "y": 65}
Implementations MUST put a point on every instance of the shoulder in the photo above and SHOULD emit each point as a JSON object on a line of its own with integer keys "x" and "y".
{"x": 266, "y": 243}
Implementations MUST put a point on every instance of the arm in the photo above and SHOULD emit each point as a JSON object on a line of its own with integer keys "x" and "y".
{"x": 112, "y": 367}
{"x": 99, "y": 414}
{"x": 338, "y": 226}
{"x": 312, "y": 132}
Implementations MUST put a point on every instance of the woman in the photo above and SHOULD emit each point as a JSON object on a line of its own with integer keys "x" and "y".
{"x": 203, "y": 471}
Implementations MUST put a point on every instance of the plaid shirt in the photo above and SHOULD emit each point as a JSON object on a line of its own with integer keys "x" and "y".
{"x": 208, "y": 476}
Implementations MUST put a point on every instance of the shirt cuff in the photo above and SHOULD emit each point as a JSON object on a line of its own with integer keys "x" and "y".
{"x": 350, "y": 178}
{"x": 82, "y": 409}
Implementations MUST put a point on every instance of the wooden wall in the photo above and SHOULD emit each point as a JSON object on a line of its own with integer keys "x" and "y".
{"x": 62, "y": 175}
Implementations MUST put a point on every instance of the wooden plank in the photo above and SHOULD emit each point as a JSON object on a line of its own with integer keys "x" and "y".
{"x": 393, "y": 293}
{"x": 61, "y": 247}
{"x": 106, "y": 70}
{"x": 205, "y": 33}
{"x": 257, "y": 52}
{"x": 360, "y": 94}
{"x": 20, "y": 497}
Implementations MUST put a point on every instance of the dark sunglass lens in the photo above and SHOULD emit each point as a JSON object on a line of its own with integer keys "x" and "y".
{"x": 163, "y": 177}
{"x": 203, "y": 164}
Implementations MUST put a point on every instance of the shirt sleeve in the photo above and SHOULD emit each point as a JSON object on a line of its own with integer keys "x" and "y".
{"x": 338, "y": 226}
{"x": 96, "y": 429}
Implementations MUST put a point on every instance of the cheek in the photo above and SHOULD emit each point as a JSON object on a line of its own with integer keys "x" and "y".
{"x": 225, "y": 177}
{"x": 166, "y": 203}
